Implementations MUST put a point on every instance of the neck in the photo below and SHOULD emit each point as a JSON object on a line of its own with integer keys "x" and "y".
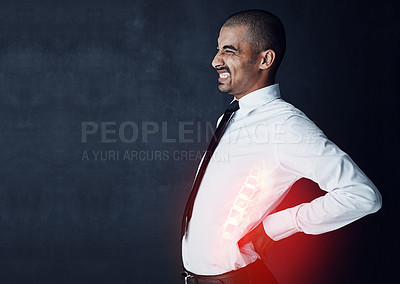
{"x": 268, "y": 82}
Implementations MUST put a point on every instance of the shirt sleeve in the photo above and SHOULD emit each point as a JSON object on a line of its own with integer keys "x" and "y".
{"x": 302, "y": 149}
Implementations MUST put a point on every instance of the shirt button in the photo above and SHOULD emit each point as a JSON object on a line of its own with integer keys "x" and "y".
{"x": 187, "y": 262}
{"x": 232, "y": 120}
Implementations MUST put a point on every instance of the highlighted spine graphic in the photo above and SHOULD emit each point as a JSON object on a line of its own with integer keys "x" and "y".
{"x": 239, "y": 210}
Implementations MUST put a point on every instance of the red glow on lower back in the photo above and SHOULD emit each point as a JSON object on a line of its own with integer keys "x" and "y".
{"x": 303, "y": 258}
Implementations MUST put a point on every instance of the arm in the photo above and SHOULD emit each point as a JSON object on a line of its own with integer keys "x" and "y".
{"x": 305, "y": 151}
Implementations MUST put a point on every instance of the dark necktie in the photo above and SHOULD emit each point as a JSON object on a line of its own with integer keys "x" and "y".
{"x": 234, "y": 106}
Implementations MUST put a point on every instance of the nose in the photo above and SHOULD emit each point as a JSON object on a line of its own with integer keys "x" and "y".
{"x": 217, "y": 61}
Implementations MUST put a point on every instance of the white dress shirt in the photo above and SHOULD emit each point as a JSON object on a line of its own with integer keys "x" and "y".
{"x": 268, "y": 146}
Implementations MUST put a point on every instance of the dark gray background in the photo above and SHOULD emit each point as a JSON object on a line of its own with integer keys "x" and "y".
{"x": 68, "y": 220}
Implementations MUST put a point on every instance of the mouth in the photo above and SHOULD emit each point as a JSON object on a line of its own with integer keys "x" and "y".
{"x": 223, "y": 76}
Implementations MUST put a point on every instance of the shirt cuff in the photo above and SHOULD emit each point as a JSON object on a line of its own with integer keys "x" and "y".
{"x": 281, "y": 224}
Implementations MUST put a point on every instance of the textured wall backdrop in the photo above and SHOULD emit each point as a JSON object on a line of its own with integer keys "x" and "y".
{"x": 106, "y": 105}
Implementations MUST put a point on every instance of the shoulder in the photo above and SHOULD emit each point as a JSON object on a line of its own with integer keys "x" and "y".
{"x": 285, "y": 113}
{"x": 292, "y": 123}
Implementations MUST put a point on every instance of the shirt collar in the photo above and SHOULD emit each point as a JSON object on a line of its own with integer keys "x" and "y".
{"x": 259, "y": 97}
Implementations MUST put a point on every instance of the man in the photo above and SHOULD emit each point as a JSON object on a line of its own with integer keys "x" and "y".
{"x": 229, "y": 223}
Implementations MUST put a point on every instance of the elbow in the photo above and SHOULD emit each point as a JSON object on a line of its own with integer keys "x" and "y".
{"x": 374, "y": 202}
{"x": 365, "y": 201}
{"x": 377, "y": 203}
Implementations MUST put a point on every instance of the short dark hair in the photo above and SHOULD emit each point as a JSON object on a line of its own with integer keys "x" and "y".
{"x": 266, "y": 31}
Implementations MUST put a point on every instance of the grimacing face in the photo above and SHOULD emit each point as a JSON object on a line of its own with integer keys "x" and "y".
{"x": 235, "y": 62}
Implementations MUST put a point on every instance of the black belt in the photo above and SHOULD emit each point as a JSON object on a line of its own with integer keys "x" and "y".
{"x": 255, "y": 272}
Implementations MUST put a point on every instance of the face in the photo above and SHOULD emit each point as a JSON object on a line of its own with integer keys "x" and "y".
{"x": 238, "y": 68}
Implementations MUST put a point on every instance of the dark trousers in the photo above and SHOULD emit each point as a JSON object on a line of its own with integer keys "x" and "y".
{"x": 254, "y": 273}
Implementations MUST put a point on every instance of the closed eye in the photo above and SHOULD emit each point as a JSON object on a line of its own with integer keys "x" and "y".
{"x": 228, "y": 49}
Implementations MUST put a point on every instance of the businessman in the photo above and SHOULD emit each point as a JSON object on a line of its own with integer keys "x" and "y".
{"x": 229, "y": 221}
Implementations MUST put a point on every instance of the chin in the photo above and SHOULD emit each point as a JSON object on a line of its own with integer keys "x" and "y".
{"x": 224, "y": 89}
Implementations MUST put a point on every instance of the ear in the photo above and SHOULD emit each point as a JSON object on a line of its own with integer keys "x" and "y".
{"x": 268, "y": 58}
